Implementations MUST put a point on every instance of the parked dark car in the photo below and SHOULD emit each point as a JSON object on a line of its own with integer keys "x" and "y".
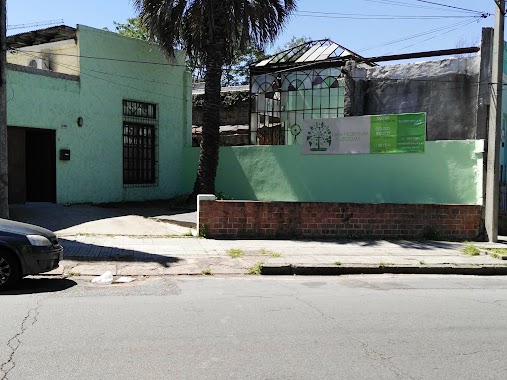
{"x": 26, "y": 249}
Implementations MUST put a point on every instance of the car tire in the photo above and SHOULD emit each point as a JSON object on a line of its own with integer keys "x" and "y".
{"x": 9, "y": 269}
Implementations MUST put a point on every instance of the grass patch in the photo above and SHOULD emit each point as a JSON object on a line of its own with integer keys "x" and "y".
{"x": 256, "y": 269}
{"x": 235, "y": 253}
{"x": 471, "y": 250}
{"x": 73, "y": 274}
{"x": 203, "y": 231}
{"x": 270, "y": 253}
{"x": 337, "y": 263}
{"x": 497, "y": 253}
{"x": 207, "y": 272}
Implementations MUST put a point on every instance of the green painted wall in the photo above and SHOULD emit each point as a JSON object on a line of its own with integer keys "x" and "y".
{"x": 95, "y": 171}
{"x": 448, "y": 172}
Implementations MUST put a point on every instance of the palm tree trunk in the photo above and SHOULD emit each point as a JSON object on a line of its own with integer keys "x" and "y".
{"x": 210, "y": 143}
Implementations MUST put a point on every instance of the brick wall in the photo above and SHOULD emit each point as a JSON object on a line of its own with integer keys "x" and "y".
{"x": 230, "y": 219}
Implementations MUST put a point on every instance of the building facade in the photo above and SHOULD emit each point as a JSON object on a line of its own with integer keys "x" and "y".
{"x": 94, "y": 117}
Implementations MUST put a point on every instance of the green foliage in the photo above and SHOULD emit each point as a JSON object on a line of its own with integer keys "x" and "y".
{"x": 292, "y": 43}
{"x": 207, "y": 272}
{"x": 471, "y": 250}
{"x": 497, "y": 253}
{"x": 133, "y": 28}
{"x": 237, "y": 73}
{"x": 235, "y": 253}
{"x": 337, "y": 263}
{"x": 256, "y": 269}
{"x": 270, "y": 253}
{"x": 203, "y": 231}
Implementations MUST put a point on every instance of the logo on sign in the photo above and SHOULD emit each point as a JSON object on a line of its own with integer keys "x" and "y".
{"x": 319, "y": 137}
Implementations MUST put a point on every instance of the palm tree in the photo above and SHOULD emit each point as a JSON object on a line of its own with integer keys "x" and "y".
{"x": 210, "y": 32}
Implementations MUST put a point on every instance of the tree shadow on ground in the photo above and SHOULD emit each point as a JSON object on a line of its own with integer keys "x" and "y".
{"x": 78, "y": 251}
{"x": 57, "y": 217}
{"x": 424, "y": 245}
{"x": 39, "y": 285}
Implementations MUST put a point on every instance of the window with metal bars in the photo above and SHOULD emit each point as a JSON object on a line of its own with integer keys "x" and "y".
{"x": 139, "y": 143}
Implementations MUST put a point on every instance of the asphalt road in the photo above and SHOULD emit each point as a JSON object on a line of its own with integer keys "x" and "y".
{"x": 350, "y": 327}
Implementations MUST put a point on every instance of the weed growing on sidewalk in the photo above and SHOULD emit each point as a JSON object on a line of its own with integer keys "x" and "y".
{"x": 422, "y": 262}
{"x": 471, "y": 250}
{"x": 207, "y": 272}
{"x": 270, "y": 253}
{"x": 188, "y": 233}
{"x": 338, "y": 263}
{"x": 256, "y": 269}
{"x": 235, "y": 253}
{"x": 203, "y": 231}
{"x": 383, "y": 265}
{"x": 497, "y": 253}
{"x": 73, "y": 274}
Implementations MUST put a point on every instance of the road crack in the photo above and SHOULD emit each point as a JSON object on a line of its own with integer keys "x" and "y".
{"x": 14, "y": 343}
{"x": 385, "y": 360}
{"x": 314, "y": 308}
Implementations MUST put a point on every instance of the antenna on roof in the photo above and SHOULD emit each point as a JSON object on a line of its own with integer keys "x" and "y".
{"x": 35, "y": 24}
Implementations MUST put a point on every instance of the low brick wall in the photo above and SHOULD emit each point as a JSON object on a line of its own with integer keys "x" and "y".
{"x": 231, "y": 219}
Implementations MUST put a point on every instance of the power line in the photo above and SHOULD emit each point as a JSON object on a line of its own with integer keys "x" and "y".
{"x": 81, "y": 71}
{"x": 459, "y": 24}
{"x": 359, "y": 16}
{"x": 35, "y": 24}
{"x": 451, "y": 6}
{"x": 432, "y": 6}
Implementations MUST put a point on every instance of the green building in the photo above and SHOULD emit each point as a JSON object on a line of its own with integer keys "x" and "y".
{"x": 94, "y": 117}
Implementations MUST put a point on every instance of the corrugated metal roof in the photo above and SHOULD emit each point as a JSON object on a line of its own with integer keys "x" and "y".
{"x": 41, "y": 36}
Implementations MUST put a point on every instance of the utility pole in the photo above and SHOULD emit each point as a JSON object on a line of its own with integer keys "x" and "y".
{"x": 4, "y": 189}
{"x": 494, "y": 128}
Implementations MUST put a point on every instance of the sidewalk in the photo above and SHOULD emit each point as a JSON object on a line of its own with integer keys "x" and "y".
{"x": 155, "y": 256}
{"x": 148, "y": 239}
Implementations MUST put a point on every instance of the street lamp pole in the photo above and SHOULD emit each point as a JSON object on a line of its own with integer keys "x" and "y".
{"x": 4, "y": 190}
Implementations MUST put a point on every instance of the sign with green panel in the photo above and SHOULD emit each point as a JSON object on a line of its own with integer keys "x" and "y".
{"x": 399, "y": 133}
{"x": 404, "y": 133}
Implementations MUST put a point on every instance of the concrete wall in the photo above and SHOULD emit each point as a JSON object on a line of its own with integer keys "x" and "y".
{"x": 447, "y": 90}
{"x": 95, "y": 171}
{"x": 62, "y": 56}
{"x": 448, "y": 172}
{"x": 235, "y": 108}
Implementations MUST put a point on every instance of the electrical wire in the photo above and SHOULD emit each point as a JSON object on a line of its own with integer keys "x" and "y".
{"x": 459, "y": 24}
{"x": 81, "y": 71}
{"x": 448, "y": 6}
{"x": 412, "y": 5}
{"x": 358, "y": 16}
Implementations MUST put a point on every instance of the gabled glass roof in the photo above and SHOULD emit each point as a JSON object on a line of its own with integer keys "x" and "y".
{"x": 312, "y": 51}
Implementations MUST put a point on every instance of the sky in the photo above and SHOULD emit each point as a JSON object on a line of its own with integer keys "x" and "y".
{"x": 367, "y": 27}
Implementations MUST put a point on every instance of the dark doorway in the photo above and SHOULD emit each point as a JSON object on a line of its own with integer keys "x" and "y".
{"x": 32, "y": 165}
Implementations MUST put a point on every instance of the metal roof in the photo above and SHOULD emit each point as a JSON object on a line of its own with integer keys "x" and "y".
{"x": 41, "y": 36}
{"x": 309, "y": 52}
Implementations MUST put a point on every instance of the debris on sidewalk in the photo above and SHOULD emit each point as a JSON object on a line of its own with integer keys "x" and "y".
{"x": 124, "y": 280}
{"x": 105, "y": 278}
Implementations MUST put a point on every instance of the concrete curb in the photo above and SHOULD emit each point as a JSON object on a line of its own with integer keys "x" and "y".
{"x": 333, "y": 270}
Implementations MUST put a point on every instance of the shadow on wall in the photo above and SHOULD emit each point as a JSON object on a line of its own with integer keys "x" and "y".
{"x": 445, "y": 173}
{"x": 234, "y": 178}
